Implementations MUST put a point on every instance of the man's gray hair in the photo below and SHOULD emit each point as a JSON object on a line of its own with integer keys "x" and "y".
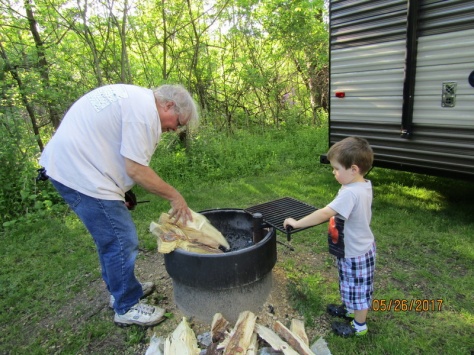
{"x": 185, "y": 105}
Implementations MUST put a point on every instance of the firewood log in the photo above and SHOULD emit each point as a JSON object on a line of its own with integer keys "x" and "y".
{"x": 241, "y": 334}
{"x": 219, "y": 335}
{"x": 292, "y": 339}
{"x": 297, "y": 328}
{"x": 218, "y": 327}
{"x": 274, "y": 340}
{"x": 198, "y": 235}
{"x": 253, "y": 347}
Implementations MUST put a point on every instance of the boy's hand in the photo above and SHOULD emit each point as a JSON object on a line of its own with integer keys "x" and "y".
{"x": 289, "y": 222}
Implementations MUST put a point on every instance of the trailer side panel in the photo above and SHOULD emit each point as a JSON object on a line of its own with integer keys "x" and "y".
{"x": 400, "y": 76}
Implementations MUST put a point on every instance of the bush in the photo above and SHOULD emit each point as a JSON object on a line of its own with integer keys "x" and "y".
{"x": 209, "y": 155}
{"x": 20, "y": 197}
{"x": 212, "y": 155}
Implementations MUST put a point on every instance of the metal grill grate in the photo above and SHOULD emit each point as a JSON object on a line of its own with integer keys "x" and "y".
{"x": 275, "y": 212}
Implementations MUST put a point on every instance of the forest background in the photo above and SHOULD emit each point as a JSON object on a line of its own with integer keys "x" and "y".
{"x": 250, "y": 65}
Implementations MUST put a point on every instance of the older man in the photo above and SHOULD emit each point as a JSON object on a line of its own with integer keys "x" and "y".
{"x": 101, "y": 149}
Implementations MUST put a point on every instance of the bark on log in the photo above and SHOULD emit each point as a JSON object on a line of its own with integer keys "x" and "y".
{"x": 241, "y": 334}
{"x": 218, "y": 327}
{"x": 219, "y": 334}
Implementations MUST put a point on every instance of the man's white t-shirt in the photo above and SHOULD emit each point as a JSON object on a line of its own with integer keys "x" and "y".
{"x": 100, "y": 129}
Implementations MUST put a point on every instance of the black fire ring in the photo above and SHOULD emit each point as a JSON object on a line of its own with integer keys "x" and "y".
{"x": 246, "y": 263}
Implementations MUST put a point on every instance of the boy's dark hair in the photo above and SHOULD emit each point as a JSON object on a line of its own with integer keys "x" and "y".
{"x": 352, "y": 151}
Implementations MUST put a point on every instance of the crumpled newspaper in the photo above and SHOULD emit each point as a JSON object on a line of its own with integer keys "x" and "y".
{"x": 198, "y": 236}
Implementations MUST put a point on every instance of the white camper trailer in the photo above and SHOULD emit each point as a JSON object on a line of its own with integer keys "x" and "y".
{"x": 402, "y": 76}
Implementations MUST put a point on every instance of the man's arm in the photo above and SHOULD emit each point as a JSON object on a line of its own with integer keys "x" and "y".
{"x": 150, "y": 181}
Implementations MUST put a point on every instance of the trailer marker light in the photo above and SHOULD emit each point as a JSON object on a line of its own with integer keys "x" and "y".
{"x": 340, "y": 94}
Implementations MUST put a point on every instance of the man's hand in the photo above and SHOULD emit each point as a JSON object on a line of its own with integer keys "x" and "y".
{"x": 147, "y": 178}
{"x": 180, "y": 210}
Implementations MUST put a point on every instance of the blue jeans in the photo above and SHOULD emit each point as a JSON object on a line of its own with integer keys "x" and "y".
{"x": 114, "y": 233}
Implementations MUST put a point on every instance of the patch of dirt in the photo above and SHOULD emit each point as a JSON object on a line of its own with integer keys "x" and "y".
{"x": 93, "y": 302}
{"x": 276, "y": 308}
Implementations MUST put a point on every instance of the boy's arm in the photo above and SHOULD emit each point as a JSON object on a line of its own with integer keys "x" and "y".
{"x": 317, "y": 217}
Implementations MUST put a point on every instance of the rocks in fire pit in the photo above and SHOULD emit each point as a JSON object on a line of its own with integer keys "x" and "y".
{"x": 246, "y": 337}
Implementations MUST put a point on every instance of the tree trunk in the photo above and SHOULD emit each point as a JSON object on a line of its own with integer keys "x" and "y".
{"x": 125, "y": 73}
{"x": 165, "y": 40}
{"x": 89, "y": 38}
{"x": 14, "y": 73}
{"x": 43, "y": 67}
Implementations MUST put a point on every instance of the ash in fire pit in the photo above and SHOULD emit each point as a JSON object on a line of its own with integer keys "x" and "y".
{"x": 238, "y": 241}
{"x": 227, "y": 283}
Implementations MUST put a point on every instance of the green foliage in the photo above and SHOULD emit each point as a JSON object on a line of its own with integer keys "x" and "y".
{"x": 238, "y": 71}
{"x": 21, "y": 198}
{"x": 238, "y": 59}
{"x": 213, "y": 156}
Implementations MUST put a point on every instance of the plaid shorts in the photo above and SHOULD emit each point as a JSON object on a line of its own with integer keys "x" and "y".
{"x": 356, "y": 280}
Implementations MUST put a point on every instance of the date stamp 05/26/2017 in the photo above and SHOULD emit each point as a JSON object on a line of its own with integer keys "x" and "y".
{"x": 406, "y": 305}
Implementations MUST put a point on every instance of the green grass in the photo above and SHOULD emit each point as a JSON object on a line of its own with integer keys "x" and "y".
{"x": 423, "y": 227}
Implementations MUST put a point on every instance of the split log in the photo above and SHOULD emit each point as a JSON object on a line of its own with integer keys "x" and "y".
{"x": 253, "y": 347}
{"x": 218, "y": 327}
{"x": 219, "y": 335}
{"x": 222, "y": 345}
{"x": 292, "y": 339}
{"x": 241, "y": 334}
{"x": 274, "y": 340}
{"x": 197, "y": 236}
{"x": 297, "y": 328}
{"x": 212, "y": 349}
{"x": 182, "y": 341}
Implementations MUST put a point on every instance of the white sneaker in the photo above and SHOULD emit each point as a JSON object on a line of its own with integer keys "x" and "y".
{"x": 147, "y": 288}
{"x": 140, "y": 314}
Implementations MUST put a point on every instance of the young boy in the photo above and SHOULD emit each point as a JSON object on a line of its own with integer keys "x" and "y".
{"x": 349, "y": 236}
